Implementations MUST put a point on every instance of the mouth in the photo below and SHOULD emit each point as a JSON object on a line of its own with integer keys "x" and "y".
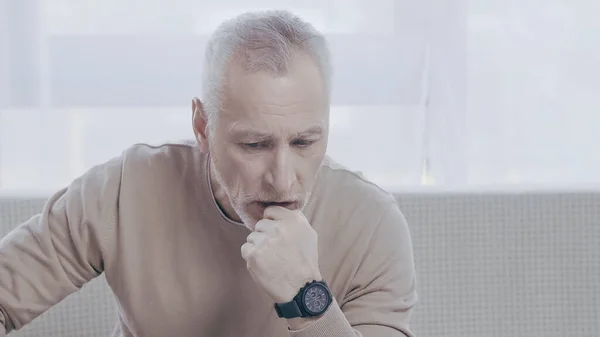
{"x": 291, "y": 205}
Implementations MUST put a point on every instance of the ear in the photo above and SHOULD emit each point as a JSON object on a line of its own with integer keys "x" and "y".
{"x": 199, "y": 123}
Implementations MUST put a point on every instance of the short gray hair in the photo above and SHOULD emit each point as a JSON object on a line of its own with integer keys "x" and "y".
{"x": 266, "y": 41}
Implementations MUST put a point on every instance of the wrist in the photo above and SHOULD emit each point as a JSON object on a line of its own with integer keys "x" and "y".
{"x": 292, "y": 290}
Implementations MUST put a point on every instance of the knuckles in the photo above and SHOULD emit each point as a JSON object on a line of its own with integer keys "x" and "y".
{"x": 277, "y": 231}
{"x": 260, "y": 225}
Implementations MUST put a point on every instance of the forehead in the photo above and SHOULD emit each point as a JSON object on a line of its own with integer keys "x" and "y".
{"x": 264, "y": 100}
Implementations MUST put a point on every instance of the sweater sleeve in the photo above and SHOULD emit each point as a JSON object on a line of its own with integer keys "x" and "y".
{"x": 56, "y": 252}
{"x": 384, "y": 288}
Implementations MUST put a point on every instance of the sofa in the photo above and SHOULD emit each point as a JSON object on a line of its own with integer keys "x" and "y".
{"x": 497, "y": 263}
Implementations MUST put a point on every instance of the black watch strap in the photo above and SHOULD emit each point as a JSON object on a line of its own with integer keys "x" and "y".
{"x": 288, "y": 310}
{"x": 295, "y": 308}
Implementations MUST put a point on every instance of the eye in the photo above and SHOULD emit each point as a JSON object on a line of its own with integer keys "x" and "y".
{"x": 302, "y": 143}
{"x": 254, "y": 146}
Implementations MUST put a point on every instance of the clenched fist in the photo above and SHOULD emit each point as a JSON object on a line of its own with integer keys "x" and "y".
{"x": 282, "y": 253}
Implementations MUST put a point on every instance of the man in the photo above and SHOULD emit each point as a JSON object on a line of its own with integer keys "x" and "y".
{"x": 250, "y": 230}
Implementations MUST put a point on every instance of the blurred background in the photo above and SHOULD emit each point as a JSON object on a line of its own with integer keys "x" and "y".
{"x": 452, "y": 94}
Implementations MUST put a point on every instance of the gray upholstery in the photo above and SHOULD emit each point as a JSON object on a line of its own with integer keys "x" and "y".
{"x": 492, "y": 264}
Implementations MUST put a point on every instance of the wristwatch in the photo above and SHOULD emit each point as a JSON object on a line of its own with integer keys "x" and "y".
{"x": 312, "y": 300}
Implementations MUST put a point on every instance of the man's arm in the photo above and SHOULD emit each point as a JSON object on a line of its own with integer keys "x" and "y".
{"x": 384, "y": 288}
{"x": 56, "y": 252}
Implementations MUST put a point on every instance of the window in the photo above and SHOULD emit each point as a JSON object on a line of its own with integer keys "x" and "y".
{"x": 453, "y": 94}
{"x": 533, "y": 116}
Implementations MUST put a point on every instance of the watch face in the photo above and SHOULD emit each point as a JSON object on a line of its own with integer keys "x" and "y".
{"x": 316, "y": 299}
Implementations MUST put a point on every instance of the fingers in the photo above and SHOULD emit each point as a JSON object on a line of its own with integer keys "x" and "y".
{"x": 247, "y": 249}
{"x": 255, "y": 238}
{"x": 265, "y": 226}
{"x": 252, "y": 241}
{"x": 277, "y": 213}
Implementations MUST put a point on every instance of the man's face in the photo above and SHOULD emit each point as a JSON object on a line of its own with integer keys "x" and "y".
{"x": 268, "y": 142}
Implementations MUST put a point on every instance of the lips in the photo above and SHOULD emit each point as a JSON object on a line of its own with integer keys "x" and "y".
{"x": 286, "y": 204}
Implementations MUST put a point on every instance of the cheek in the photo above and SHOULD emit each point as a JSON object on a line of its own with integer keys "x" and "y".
{"x": 244, "y": 171}
{"x": 311, "y": 165}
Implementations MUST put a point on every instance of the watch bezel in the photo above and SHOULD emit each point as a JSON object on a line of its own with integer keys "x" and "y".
{"x": 319, "y": 284}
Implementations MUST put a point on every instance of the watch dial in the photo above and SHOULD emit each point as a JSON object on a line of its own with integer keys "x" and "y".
{"x": 316, "y": 299}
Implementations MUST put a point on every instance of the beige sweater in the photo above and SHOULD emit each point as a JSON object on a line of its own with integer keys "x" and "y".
{"x": 148, "y": 220}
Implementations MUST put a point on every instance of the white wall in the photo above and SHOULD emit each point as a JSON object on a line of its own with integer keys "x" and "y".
{"x": 485, "y": 93}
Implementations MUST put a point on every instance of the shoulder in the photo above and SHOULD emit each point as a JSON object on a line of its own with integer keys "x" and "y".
{"x": 147, "y": 153}
{"x": 350, "y": 201}
{"x": 158, "y": 159}
{"x": 143, "y": 167}
{"x": 349, "y": 189}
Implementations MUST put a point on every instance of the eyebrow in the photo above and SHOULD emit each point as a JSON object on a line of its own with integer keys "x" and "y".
{"x": 252, "y": 134}
{"x": 315, "y": 130}
{"x": 258, "y": 135}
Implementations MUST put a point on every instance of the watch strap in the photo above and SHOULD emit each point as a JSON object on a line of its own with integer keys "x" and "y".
{"x": 288, "y": 310}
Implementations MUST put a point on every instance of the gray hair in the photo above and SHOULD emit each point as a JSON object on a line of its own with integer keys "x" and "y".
{"x": 266, "y": 41}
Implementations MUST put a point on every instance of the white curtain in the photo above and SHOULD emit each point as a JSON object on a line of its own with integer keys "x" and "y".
{"x": 435, "y": 92}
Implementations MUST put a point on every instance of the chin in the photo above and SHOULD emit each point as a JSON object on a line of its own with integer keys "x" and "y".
{"x": 250, "y": 222}
{"x": 251, "y": 225}
{"x": 248, "y": 219}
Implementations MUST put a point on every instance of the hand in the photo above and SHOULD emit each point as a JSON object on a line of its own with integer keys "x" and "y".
{"x": 282, "y": 253}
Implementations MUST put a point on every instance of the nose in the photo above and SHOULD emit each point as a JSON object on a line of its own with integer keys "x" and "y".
{"x": 281, "y": 175}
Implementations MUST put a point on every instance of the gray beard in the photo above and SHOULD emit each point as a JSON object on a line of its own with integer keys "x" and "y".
{"x": 239, "y": 209}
